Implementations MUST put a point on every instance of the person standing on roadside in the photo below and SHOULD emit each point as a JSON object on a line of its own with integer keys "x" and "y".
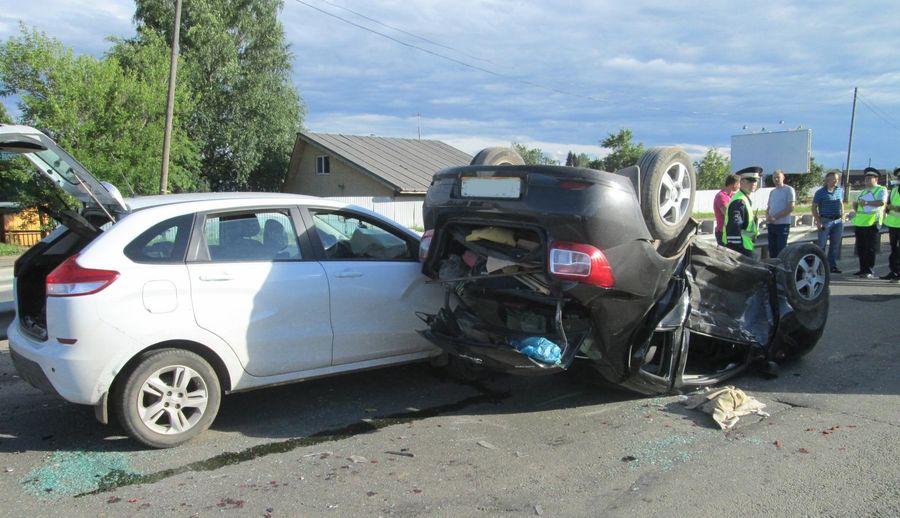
{"x": 828, "y": 213}
{"x": 892, "y": 222}
{"x": 869, "y": 207}
{"x": 778, "y": 213}
{"x": 720, "y": 203}
{"x": 740, "y": 229}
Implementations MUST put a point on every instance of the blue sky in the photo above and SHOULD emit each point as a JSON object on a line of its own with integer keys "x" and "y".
{"x": 561, "y": 75}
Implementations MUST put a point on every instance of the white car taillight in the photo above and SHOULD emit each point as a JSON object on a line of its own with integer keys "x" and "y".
{"x": 425, "y": 244}
{"x": 70, "y": 280}
{"x": 582, "y": 263}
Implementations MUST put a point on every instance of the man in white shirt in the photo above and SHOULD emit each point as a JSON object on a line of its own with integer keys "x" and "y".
{"x": 778, "y": 213}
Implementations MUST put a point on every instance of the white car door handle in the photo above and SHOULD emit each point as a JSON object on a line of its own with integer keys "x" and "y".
{"x": 348, "y": 274}
{"x": 216, "y": 277}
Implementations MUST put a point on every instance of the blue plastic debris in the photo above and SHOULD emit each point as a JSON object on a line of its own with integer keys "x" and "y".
{"x": 538, "y": 348}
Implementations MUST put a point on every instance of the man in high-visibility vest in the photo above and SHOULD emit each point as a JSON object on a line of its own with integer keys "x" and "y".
{"x": 869, "y": 207}
{"x": 739, "y": 230}
{"x": 892, "y": 222}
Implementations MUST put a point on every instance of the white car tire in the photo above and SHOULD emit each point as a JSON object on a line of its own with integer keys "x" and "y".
{"x": 168, "y": 398}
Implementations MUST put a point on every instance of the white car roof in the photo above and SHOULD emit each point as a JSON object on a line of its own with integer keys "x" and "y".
{"x": 143, "y": 202}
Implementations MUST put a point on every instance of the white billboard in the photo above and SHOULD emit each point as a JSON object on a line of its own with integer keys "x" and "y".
{"x": 785, "y": 150}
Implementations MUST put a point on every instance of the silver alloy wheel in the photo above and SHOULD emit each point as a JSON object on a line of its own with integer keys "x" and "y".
{"x": 809, "y": 276}
{"x": 674, "y": 194}
{"x": 172, "y": 400}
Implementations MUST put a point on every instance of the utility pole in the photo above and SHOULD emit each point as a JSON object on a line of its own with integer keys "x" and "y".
{"x": 170, "y": 103}
{"x": 849, "y": 147}
{"x": 419, "y": 125}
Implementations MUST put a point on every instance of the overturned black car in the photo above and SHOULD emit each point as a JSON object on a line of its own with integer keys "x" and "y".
{"x": 545, "y": 265}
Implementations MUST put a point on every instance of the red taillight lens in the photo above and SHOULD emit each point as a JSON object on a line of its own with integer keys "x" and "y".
{"x": 582, "y": 263}
{"x": 425, "y": 244}
{"x": 69, "y": 279}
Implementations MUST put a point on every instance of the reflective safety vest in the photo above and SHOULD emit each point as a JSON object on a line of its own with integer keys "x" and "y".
{"x": 750, "y": 230}
{"x": 867, "y": 219}
{"x": 892, "y": 218}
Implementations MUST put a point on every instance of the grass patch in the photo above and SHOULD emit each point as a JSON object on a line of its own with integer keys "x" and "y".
{"x": 8, "y": 249}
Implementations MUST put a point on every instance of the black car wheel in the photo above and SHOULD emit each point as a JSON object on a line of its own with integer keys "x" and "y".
{"x": 497, "y": 156}
{"x": 805, "y": 276}
{"x": 668, "y": 187}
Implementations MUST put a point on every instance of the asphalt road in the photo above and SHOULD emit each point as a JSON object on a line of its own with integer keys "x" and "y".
{"x": 407, "y": 441}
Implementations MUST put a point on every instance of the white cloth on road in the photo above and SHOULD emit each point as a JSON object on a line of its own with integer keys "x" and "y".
{"x": 726, "y": 405}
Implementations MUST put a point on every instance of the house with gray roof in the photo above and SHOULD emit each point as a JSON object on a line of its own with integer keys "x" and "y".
{"x": 324, "y": 164}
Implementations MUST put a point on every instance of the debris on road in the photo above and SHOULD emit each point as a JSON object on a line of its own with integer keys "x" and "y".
{"x": 357, "y": 459}
{"x": 485, "y": 444}
{"x": 778, "y": 444}
{"x": 726, "y": 405}
{"x": 401, "y": 453}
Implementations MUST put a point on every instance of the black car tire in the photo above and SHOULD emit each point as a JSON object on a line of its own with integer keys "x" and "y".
{"x": 801, "y": 264}
{"x": 129, "y": 396}
{"x": 660, "y": 167}
{"x": 497, "y": 156}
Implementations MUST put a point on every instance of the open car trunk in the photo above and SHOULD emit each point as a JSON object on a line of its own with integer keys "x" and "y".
{"x": 502, "y": 306}
{"x": 32, "y": 268}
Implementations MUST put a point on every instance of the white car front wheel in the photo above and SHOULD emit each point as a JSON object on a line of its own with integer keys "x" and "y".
{"x": 170, "y": 397}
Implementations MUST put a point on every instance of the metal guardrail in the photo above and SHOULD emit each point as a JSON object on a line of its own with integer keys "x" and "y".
{"x": 804, "y": 234}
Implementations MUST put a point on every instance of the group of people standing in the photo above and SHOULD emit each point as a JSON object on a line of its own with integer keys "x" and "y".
{"x": 737, "y": 227}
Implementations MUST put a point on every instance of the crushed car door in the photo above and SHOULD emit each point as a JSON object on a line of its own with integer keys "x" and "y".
{"x": 376, "y": 286}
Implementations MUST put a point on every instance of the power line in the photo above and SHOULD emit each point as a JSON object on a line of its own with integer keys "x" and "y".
{"x": 492, "y": 72}
{"x": 398, "y": 29}
{"x": 880, "y": 115}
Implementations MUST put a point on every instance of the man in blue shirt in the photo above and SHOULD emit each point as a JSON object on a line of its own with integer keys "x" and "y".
{"x": 828, "y": 213}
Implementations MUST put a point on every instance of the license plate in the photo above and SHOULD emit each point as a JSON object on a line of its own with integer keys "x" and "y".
{"x": 491, "y": 187}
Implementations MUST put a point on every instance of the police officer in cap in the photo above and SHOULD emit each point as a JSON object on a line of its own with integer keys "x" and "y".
{"x": 892, "y": 222}
{"x": 869, "y": 207}
{"x": 740, "y": 230}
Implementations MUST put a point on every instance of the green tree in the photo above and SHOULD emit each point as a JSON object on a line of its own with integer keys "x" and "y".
{"x": 238, "y": 66}
{"x": 712, "y": 169}
{"x": 579, "y": 160}
{"x": 623, "y": 152}
{"x": 109, "y": 113}
{"x": 533, "y": 156}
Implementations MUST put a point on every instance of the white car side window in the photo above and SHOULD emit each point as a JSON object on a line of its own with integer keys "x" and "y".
{"x": 266, "y": 235}
{"x": 347, "y": 237}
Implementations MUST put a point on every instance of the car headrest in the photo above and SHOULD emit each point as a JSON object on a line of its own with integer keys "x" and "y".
{"x": 243, "y": 227}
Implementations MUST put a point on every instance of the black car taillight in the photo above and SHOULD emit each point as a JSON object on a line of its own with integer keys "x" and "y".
{"x": 425, "y": 244}
{"x": 579, "y": 262}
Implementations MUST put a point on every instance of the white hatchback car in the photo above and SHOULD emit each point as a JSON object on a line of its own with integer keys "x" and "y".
{"x": 151, "y": 308}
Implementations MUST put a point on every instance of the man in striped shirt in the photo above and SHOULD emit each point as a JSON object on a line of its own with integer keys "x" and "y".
{"x": 828, "y": 213}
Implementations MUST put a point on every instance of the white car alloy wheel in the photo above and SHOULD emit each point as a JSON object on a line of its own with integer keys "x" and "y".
{"x": 809, "y": 276}
{"x": 169, "y": 397}
{"x": 674, "y": 194}
{"x": 172, "y": 400}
